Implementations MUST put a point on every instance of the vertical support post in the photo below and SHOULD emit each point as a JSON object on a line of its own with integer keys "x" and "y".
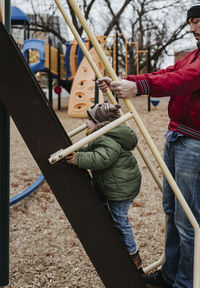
{"x": 117, "y": 54}
{"x": 148, "y": 71}
{"x": 4, "y": 170}
{"x": 96, "y": 92}
{"x": 137, "y": 57}
{"x": 59, "y": 96}
{"x": 2, "y": 10}
{"x": 114, "y": 53}
{"x": 126, "y": 58}
{"x": 49, "y": 76}
{"x": 117, "y": 58}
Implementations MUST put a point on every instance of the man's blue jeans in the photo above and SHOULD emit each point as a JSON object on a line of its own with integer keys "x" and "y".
{"x": 119, "y": 213}
{"x": 183, "y": 160}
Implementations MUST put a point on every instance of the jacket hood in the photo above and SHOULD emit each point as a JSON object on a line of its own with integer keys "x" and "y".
{"x": 122, "y": 134}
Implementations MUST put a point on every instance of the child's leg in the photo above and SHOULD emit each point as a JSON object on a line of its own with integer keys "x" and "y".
{"x": 119, "y": 212}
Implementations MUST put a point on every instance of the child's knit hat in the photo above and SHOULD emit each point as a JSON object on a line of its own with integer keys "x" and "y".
{"x": 103, "y": 112}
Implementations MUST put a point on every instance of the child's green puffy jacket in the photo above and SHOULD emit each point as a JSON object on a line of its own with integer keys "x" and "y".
{"x": 113, "y": 166}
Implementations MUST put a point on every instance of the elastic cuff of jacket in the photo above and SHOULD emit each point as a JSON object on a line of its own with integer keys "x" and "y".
{"x": 143, "y": 88}
{"x": 138, "y": 89}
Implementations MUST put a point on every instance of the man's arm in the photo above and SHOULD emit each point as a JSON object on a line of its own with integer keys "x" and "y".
{"x": 133, "y": 85}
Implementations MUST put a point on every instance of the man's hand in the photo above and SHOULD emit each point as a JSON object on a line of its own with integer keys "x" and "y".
{"x": 104, "y": 83}
{"x": 121, "y": 88}
{"x": 124, "y": 88}
{"x": 70, "y": 158}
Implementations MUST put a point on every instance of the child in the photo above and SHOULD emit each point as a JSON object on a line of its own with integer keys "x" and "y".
{"x": 114, "y": 169}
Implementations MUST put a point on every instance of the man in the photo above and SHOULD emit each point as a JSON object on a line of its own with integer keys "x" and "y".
{"x": 181, "y": 153}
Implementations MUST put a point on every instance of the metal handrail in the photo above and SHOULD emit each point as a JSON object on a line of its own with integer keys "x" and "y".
{"x": 64, "y": 152}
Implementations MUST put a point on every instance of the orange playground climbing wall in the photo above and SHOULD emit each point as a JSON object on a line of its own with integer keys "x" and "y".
{"x": 83, "y": 88}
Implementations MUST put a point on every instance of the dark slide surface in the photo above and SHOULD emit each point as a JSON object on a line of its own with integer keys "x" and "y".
{"x": 44, "y": 135}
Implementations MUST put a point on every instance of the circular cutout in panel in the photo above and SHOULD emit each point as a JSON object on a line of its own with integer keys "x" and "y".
{"x": 81, "y": 83}
{"x": 80, "y": 96}
{"x": 84, "y": 70}
{"x": 80, "y": 107}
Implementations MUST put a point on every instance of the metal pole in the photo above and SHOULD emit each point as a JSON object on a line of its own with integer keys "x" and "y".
{"x": 4, "y": 172}
{"x": 57, "y": 156}
{"x": 148, "y": 71}
{"x": 117, "y": 57}
{"x": 126, "y": 58}
{"x": 59, "y": 96}
{"x": 117, "y": 54}
{"x": 50, "y": 76}
{"x": 96, "y": 92}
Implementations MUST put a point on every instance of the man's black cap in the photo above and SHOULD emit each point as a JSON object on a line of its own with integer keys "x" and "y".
{"x": 194, "y": 11}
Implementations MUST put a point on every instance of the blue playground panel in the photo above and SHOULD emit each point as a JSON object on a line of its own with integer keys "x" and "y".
{"x": 35, "y": 44}
{"x": 80, "y": 53}
{"x": 80, "y": 56}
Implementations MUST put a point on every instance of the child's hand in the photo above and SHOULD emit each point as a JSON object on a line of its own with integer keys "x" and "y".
{"x": 70, "y": 158}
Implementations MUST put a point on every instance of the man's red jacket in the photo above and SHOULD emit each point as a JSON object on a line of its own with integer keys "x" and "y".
{"x": 182, "y": 83}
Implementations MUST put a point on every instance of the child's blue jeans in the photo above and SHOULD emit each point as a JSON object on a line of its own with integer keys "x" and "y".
{"x": 119, "y": 213}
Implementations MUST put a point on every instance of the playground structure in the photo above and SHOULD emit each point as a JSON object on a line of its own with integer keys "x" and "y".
{"x": 57, "y": 172}
{"x": 43, "y": 57}
{"x": 39, "y": 121}
{"x": 66, "y": 67}
{"x": 70, "y": 69}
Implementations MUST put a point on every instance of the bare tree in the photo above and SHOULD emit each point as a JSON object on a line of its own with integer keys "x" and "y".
{"x": 153, "y": 24}
{"x": 115, "y": 17}
{"x": 156, "y": 32}
{"x": 86, "y": 8}
{"x": 149, "y": 25}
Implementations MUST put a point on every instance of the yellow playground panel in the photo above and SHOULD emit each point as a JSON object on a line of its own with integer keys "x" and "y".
{"x": 73, "y": 58}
